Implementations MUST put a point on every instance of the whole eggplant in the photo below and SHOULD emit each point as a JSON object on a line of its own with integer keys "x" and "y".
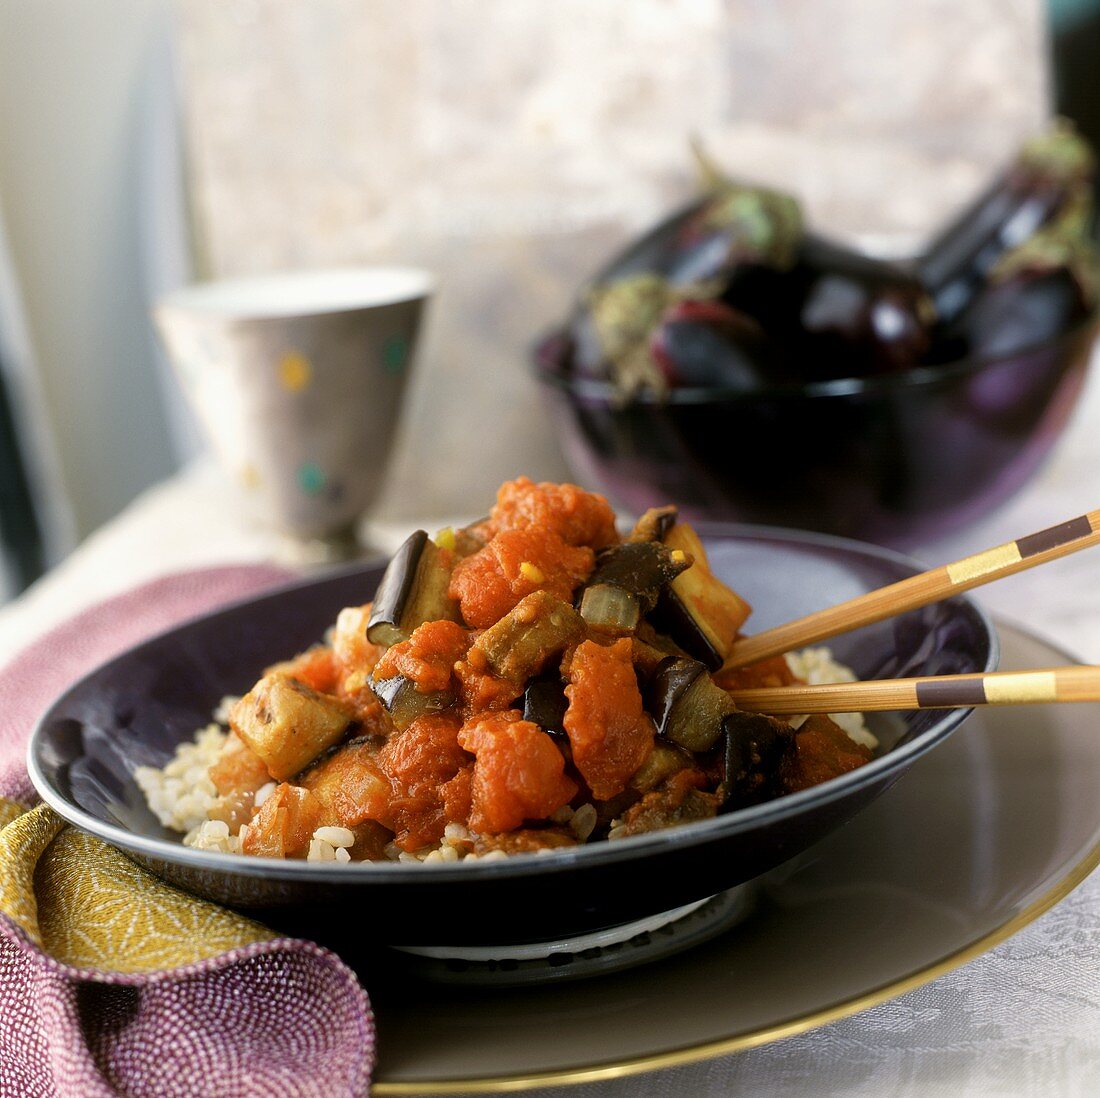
{"x": 689, "y": 257}
{"x": 836, "y": 313}
{"x": 1051, "y": 173}
{"x": 708, "y": 344}
{"x": 1038, "y": 291}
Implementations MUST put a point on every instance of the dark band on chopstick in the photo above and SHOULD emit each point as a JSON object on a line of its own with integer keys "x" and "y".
{"x": 1054, "y": 684}
{"x": 1007, "y": 688}
{"x": 951, "y": 692}
{"x": 1054, "y": 536}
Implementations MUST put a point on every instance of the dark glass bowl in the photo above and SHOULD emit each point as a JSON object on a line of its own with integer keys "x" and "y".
{"x": 899, "y": 459}
{"x": 134, "y": 710}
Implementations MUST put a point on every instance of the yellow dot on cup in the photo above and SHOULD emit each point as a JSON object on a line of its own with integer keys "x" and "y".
{"x": 295, "y": 371}
{"x": 250, "y": 476}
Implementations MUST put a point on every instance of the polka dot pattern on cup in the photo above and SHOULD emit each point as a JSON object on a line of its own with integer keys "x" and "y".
{"x": 311, "y": 478}
{"x": 295, "y": 372}
{"x": 395, "y": 353}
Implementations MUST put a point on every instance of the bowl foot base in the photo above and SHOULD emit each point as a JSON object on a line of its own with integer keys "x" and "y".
{"x": 597, "y": 954}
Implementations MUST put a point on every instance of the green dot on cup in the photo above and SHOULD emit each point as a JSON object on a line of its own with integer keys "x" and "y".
{"x": 395, "y": 352}
{"x": 311, "y": 478}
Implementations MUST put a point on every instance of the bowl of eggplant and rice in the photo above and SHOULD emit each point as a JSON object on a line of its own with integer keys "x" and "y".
{"x": 136, "y": 709}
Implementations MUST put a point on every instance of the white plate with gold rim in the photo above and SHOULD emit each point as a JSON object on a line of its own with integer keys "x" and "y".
{"x": 979, "y": 839}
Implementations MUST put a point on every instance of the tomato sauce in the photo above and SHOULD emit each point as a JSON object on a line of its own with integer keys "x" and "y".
{"x": 610, "y": 733}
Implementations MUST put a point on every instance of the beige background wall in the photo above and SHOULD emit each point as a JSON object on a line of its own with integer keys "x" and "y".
{"x": 510, "y": 144}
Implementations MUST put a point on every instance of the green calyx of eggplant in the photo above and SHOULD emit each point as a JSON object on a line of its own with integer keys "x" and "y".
{"x": 413, "y": 590}
{"x": 761, "y": 225}
{"x": 1059, "y": 152}
{"x": 1064, "y": 244}
{"x": 624, "y": 313}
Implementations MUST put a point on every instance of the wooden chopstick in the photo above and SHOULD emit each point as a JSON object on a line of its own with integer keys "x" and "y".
{"x": 920, "y": 590}
{"x": 1055, "y": 684}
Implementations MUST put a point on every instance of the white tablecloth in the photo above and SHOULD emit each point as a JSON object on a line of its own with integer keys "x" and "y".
{"x": 1023, "y": 1020}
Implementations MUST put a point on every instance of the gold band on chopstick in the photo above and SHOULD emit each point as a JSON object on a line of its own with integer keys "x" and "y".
{"x": 1012, "y": 552}
{"x": 1019, "y": 687}
{"x": 982, "y": 564}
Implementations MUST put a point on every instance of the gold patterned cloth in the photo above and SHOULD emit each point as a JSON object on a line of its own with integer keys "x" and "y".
{"x": 114, "y": 982}
{"x": 89, "y": 906}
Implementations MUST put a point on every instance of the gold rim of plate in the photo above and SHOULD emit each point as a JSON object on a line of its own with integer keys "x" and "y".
{"x": 765, "y": 1035}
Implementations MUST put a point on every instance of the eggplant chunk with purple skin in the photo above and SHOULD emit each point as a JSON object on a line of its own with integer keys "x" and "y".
{"x": 687, "y": 706}
{"x": 753, "y": 747}
{"x": 545, "y": 703}
{"x": 627, "y": 583}
{"x": 404, "y": 703}
{"x": 539, "y": 627}
{"x": 697, "y": 610}
{"x": 413, "y": 590}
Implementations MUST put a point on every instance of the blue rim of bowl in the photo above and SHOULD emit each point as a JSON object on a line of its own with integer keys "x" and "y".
{"x": 519, "y": 865}
{"x": 916, "y": 377}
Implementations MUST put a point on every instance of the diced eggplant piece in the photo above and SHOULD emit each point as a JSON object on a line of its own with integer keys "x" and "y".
{"x": 404, "y": 703}
{"x": 413, "y": 590}
{"x": 664, "y": 761}
{"x": 753, "y": 747}
{"x": 545, "y": 703}
{"x": 654, "y": 524}
{"x": 627, "y": 583}
{"x": 610, "y": 609}
{"x": 640, "y": 567}
{"x": 287, "y": 724}
{"x": 539, "y": 627}
{"x": 686, "y": 705}
{"x": 697, "y": 610}
{"x": 646, "y": 654}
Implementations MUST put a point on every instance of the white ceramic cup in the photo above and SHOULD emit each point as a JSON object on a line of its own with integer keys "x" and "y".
{"x": 297, "y": 380}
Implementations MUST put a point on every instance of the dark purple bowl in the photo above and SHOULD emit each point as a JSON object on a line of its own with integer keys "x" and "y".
{"x": 896, "y": 460}
{"x": 134, "y": 710}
